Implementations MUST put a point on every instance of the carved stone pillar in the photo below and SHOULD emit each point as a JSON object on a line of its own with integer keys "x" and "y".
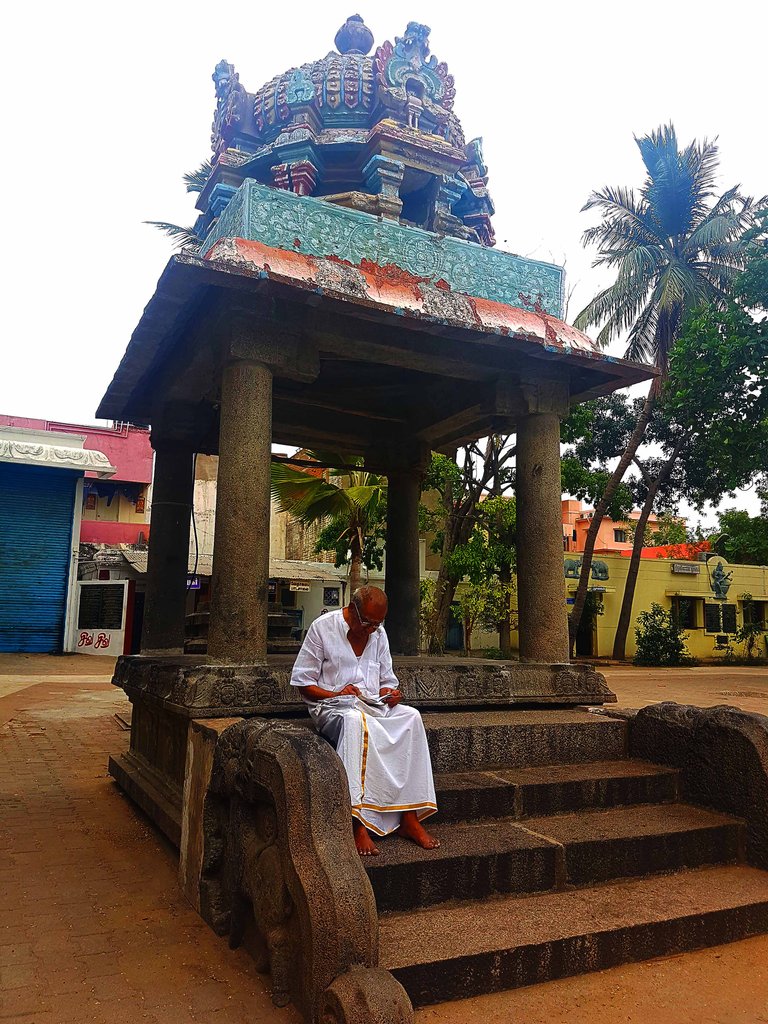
{"x": 240, "y": 584}
{"x": 402, "y": 570}
{"x": 166, "y": 593}
{"x": 543, "y": 622}
{"x": 384, "y": 178}
{"x": 299, "y": 177}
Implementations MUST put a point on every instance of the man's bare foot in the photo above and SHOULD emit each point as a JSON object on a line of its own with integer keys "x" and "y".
{"x": 363, "y": 842}
{"x": 411, "y": 828}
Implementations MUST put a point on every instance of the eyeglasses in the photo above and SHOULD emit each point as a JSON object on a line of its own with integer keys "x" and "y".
{"x": 366, "y": 622}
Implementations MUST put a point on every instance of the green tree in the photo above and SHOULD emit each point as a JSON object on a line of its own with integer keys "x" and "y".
{"x": 674, "y": 246}
{"x": 487, "y": 562}
{"x": 711, "y": 421}
{"x": 595, "y": 433}
{"x": 355, "y": 507}
{"x": 742, "y": 538}
{"x": 452, "y": 490}
{"x": 483, "y": 601}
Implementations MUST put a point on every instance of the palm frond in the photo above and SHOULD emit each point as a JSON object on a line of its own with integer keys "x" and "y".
{"x": 364, "y": 495}
{"x": 183, "y": 236}
{"x": 197, "y": 180}
{"x": 642, "y": 335}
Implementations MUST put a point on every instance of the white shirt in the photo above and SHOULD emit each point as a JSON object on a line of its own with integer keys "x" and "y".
{"x": 326, "y": 659}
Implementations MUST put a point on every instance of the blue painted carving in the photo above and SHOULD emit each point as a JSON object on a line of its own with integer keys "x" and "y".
{"x": 300, "y": 88}
{"x": 278, "y": 218}
{"x": 221, "y": 196}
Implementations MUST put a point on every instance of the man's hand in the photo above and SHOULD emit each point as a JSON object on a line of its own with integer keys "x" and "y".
{"x": 348, "y": 691}
{"x": 391, "y": 697}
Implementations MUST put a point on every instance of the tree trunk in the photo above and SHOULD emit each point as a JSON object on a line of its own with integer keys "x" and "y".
{"x": 458, "y": 532}
{"x": 468, "y": 625}
{"x": 505, "y": 626}
{"x": 625, "y": 615}
{"x": 355, "y": 566}
{"x": 574, "y": 619}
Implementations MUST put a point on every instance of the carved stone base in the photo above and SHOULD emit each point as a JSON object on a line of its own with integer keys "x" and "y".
{"x": 192, "y": 687}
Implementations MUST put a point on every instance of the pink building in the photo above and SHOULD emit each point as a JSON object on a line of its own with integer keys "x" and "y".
{"x": 611, "y": 536}
{"x": 115, "y": 511}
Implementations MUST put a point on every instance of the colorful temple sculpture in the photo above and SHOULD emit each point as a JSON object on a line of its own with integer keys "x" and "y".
{"x": 346, "y": 295}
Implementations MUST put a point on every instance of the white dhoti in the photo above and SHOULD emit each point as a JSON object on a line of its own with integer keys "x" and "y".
{"x": 384, "y": 750}
{"x": 385, "y": 754}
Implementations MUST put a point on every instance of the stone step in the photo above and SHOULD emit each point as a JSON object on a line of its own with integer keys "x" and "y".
{"x": 553, "y": 789}
{"x": 627, "y": 841}
{"x": 477, "y": 740}
{"x": 460, "y": 950}
{"x": 473, "y": 861}
{"x": 478, "y": 859}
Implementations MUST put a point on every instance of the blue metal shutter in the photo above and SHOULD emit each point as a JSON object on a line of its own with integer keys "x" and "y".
{"x": 36, "y": 515}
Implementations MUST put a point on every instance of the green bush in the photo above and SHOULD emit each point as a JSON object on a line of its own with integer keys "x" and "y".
{"x": 660, "y": 639}
{"x": 493, "y": 652}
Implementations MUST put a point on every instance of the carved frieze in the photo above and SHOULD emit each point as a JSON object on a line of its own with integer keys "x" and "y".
{"x": 285, "y": 221}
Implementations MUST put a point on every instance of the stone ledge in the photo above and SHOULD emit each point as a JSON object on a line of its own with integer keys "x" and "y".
{"x": 144, "y": 788}
{"x": 193, "y": 687}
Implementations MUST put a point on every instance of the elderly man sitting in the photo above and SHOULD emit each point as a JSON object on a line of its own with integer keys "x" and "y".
{"x": 344, "y": 671}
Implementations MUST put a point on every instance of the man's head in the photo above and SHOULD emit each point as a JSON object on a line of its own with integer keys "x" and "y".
{"x": 368, "y": 608}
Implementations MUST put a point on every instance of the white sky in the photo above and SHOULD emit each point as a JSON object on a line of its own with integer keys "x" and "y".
{"x": 105, "y": 106}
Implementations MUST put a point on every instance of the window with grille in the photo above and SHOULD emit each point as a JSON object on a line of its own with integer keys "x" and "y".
{"x": 684, "y": 610}
{"x": 720, "y": 618}
{"x": 620, "y": 536}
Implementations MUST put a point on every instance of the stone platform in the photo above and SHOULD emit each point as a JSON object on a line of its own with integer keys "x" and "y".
{"x": 195, "y": 687}
{"x": 168, "y": 692}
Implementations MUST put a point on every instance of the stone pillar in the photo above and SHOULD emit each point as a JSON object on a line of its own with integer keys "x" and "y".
{"x": 166, "y": 594}
{"x": 402, "y": 571}
{"x": 543, "y": 622}
{"x": 240, "y": 585}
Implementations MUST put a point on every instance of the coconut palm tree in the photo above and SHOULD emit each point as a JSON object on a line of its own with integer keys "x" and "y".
{"x": 674, "y": 246}
{"x": 354, "y": 508}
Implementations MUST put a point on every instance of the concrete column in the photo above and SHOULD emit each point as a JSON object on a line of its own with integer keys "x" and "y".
{"x": 240, "y": 585}
{"x": 166, "y": 594}
{"x": 402, "y": 570}
{"x": 543, "y": 622}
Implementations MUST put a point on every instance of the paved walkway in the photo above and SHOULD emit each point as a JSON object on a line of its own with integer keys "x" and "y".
{"x": 94, "y": 930}
{"x": 93, "y": 927}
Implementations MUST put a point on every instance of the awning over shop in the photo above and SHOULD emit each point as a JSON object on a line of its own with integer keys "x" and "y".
{"x": 55, "y": 456}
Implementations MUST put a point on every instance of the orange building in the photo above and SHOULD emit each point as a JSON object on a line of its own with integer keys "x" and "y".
{"x": 611, "y": 537}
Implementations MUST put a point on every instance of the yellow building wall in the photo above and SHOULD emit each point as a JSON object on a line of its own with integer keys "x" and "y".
{"x": 658, "y": 583}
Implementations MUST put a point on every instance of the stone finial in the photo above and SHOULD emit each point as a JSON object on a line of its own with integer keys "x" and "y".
{"x": 354, "y": 36}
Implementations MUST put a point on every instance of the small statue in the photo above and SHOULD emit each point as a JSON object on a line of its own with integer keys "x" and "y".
{"x": 300, "y": 88}
{"x": 413, "y": 46}
{"x": 599, "y": 571}
{"x": 721, "y": 581}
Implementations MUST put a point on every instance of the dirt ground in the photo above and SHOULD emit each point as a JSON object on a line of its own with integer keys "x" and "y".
{"x": 94, "y": 929}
